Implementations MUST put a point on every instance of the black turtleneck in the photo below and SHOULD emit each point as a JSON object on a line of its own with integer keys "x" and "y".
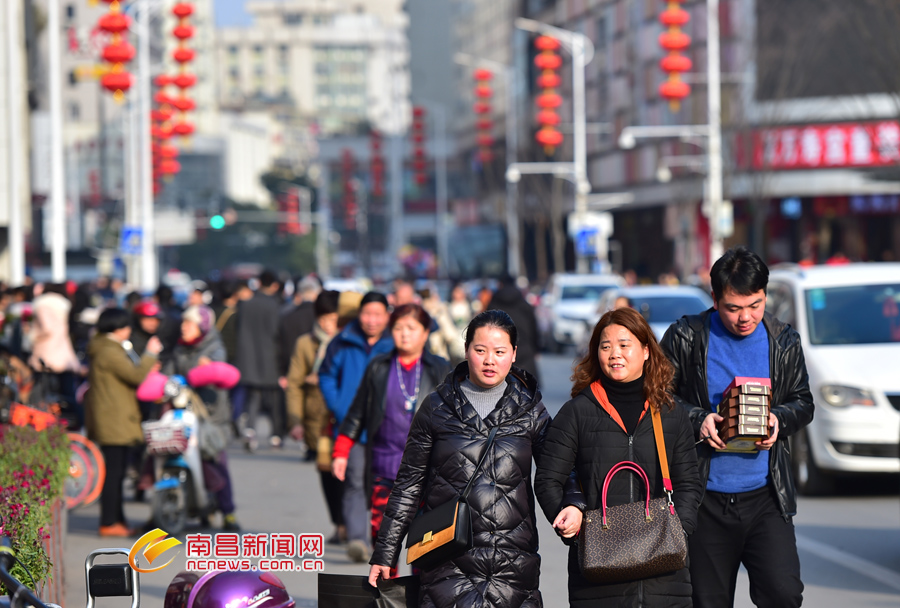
{"x": 627, "y": 398}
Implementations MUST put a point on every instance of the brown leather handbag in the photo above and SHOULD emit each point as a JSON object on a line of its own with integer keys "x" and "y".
{"x": 637, "y": 540}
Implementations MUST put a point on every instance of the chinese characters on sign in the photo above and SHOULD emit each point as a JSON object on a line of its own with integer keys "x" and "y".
{"x": 276, "y": 552}
{"x": 826, "y": 146}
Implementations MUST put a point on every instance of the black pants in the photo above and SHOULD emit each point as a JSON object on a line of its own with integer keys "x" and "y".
{"x": 333, "y": 489}
{"x": 269, "y": 399}
{"x": 746, "y": 528}
{"x": 117, "y": 458}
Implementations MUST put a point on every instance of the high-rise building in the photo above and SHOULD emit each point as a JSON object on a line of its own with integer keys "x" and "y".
{"x": 334, "y": 62}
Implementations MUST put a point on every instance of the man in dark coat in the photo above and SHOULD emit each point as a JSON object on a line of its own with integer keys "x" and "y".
{"x": 257, "y": 358}
{"x": 510, "y": 300}
{"x": 746, "y": 514}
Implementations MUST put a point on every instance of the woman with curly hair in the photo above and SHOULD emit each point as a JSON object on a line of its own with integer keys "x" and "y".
{"x": 622, "y": 376}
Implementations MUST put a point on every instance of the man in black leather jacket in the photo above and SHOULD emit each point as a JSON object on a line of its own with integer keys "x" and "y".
{"x": 750, "y": 499}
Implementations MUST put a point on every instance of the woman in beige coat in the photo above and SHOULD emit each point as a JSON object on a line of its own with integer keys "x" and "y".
{"x": 112, "y": 415}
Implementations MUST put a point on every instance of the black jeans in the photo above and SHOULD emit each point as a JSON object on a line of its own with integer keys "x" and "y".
{"x": 333, "y": 489}
{"x": 117, "y": 458}
{"x": 746, "y": 528}
{"x": 269, "y": 400}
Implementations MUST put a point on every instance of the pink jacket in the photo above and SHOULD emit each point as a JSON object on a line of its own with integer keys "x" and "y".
{"x": 50, "y": 336}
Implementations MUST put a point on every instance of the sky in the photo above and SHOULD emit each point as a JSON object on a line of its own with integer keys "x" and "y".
{"x": 230, "y": 13}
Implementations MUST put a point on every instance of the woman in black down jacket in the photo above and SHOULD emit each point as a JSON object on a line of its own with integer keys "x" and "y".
{"x": 607, "y": 421}
{"x": 448, "y": 434}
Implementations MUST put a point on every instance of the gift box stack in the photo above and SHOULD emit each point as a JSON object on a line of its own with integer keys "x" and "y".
{"x": 745, "y": 408}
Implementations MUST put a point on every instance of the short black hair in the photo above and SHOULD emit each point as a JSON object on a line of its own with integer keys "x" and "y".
{"x": 492, "y": 318}
{"x": 326, "y": 302}
{"x": 374, "y": 296}
{"x": 267, "y": 278}
{"x": 740, "y": 270}
{"x": 113, "y": 319}
{"x": 164, "y": 295}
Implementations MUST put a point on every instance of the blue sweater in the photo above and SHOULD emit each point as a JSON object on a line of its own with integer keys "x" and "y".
{"x": 344, "y": 365}
{"x": 730, "y": 356}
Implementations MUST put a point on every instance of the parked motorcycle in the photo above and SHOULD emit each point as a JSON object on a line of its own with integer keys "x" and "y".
{"x": 182, "y": 442}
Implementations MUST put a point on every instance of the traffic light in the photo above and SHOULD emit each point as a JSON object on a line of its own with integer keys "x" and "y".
{"x": 217, "y": 222}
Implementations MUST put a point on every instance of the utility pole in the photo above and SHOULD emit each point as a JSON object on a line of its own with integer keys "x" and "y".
{"x": 14, "y": 96}
{"x": 714, "y": 102}
{"x": 57, "y": 169}
{"x": 149, "y": 270}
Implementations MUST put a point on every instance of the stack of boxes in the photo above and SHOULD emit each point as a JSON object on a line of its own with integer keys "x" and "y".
{"x": 745, "y": 408}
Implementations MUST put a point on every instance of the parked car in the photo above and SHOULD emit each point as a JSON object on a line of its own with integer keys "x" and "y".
{"x": 848, "y": 318}
{"x": 660, "y": 305}
{"x": 569, "y": 303}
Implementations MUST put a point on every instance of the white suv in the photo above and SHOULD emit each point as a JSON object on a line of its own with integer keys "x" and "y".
{"x": 572, "y": 303}
{"x": 848, "y": 318}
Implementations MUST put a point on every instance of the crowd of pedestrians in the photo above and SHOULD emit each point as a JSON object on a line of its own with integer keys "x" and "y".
{"x": 395, "y": 393}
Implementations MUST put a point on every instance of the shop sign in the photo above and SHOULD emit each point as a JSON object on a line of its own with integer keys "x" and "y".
{"x": 875, "y": 144}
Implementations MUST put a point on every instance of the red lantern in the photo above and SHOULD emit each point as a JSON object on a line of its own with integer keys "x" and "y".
{"x": 183, "y": 32}
{"x": 184, "y": 104}
{"x": 182, "y": 10}
{"x": 674, "y": 41}
{"x": 184, "y": 81}
{"x": 183, "y": 55}
{"x": 485, "y": 140}
{"x": 161, "y": 115}
{"x": 121, "y": 52}
{"x": 674, "y": 90}
{"x": 549, "y": 137}
{"x": 546, "y": 43}
{"x": 548, "y": 100}
{"x": 483, "y": 91}
{"x": 547, "y": 118}
{"x": 549, "y": 80}
{"x": 484, "y": 124}
{"x": 418, "y": 112}
{"x": 159, "y": 132}
{"x": 163, "y": 99}
{"x": 376, "y": 164}
{"x": 169, "y": 167}
{"x": 548, "y": 61}
{"x": 482, "y": 74}
{"x": 162, "y": 81}
{"x": 168, "y": 152}
{"x": 117, "y": 83}
{"x": 183, "y": 128}
{"x": 481, "y": 107}
{"x": 676, "y": 63}
{"x": 114, "y": 23}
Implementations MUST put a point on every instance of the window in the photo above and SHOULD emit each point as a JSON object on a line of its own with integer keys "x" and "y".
{"x": 780, "y": 302}
{"x": 292, "y": 19}
{"x": 857, "y": 314}
{"x": 74, "y": 110}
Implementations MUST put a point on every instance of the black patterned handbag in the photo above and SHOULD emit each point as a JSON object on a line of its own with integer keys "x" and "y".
{"x": 637, "y": 540}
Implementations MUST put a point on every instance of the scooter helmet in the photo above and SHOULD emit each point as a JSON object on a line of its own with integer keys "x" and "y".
{"x": 179, "y": 589}
{"x": 229, "y": 589}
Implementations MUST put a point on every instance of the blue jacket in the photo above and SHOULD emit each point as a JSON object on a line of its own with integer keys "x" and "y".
{"x": 345, "y": 364}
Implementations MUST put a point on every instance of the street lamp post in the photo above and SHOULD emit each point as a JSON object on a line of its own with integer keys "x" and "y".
{"x": 149, "y": 270}
{"x": 712, "y": 132}
{"x": 582, "y": 50}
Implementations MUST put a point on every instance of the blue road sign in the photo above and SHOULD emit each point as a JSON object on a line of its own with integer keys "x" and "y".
{"x": 132, "y": 238}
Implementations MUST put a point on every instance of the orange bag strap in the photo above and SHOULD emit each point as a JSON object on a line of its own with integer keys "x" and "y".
{"x": 661, "y": 451}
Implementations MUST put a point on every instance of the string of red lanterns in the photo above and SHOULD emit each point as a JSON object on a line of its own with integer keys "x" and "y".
{"x": 183, "y": 55}
{"x": 376, "y": 164}
{"x": 117, "y": 52}
{"x": 674, "y": 40}
{"x": 549, "y": 62}
{"x": 484, "y": 125}
{"x": 418, "y": 138}
{"x": 347, "y": 172}
{"x": 165, "y": 155}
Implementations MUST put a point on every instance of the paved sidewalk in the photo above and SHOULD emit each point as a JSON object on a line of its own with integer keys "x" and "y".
{"x": 275, "y": 492}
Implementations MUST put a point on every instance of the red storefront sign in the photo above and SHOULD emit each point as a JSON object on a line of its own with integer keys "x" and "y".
{"x": 875, "y": 144}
